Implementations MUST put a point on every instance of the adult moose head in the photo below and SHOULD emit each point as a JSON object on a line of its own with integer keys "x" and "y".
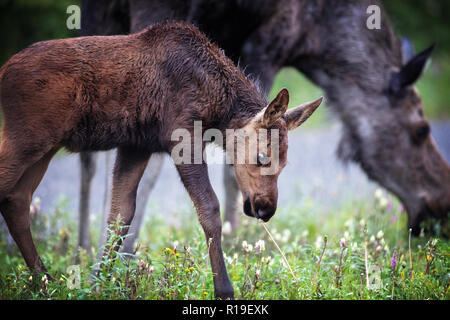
{"x": 413, "y": 168}
{"x": 391, "y": 141}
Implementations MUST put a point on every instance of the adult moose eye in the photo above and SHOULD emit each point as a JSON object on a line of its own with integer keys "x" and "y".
{"x": 263, "y": 159}
{"x": 421, "y": 133}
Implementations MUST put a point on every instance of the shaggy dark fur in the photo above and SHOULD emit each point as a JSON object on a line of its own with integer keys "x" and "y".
{"x": 366, "y": 78}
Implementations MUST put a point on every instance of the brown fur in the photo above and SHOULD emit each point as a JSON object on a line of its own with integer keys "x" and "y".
{"x": 64, "y": 93}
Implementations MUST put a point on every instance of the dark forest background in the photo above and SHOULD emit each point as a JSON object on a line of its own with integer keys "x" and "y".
{"x": 23, "y": 22}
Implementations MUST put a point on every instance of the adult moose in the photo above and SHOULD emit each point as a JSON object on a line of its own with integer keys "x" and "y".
{"x": 64, "y": 93}
{"x": 366, "y": 77}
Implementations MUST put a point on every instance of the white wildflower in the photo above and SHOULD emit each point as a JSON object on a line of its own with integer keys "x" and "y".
{"x": 378, "y": 194}
{"x": 260, "y": 246}
{"x": 318, "y": 242}
{"x": 362, "y": 222}
{"x": 247, "y": 247}
{"x": 266, "y": 260}
{"x": 383, "y": 203}
{"x": 348, "y": 223}
{"x": 286, "y": 235}
{"x": 277, "y": 236}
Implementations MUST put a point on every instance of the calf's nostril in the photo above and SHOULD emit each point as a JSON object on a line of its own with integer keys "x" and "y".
{"x": 247, "y": 207}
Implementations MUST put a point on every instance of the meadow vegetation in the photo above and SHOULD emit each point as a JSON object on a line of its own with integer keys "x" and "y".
{"x": 358, "y": 251}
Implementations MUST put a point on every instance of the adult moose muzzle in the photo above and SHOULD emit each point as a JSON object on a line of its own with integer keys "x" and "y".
{"x": 393, "y": 144}
{"x": 131, "y": 93}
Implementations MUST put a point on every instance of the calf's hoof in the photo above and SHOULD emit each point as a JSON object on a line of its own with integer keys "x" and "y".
{"x": 224, "y": 294}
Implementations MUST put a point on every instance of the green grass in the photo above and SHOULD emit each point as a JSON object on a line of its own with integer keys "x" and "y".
{"x": 433, "y": 87}
{"x": 171, "y": 259}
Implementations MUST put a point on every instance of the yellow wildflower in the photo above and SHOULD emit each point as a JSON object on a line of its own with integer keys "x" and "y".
{"x": 169, "y": 251}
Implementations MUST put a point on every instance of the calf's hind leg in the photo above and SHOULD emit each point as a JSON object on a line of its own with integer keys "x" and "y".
{"x": 15, "y": 208}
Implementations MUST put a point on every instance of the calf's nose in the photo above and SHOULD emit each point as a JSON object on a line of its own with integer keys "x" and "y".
{"x": 264, "y": 211}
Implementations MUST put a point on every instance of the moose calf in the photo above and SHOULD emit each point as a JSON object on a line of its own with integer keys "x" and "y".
{"x": 130, "y": 93}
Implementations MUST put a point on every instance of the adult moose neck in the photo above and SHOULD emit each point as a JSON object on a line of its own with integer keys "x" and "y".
{"x": 351, "y": 63}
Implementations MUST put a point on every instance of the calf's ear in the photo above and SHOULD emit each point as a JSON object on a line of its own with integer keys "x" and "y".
{"x": 276, "y": 109}
{"x": 296, "y": 116}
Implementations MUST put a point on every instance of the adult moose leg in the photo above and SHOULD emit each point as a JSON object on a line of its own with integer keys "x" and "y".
{"x": 231, "y": 196}
{"x": 129, "y": 167}
{"x": 196, "y": 181}
{"x": 15, "y": 208}
{"x": 87, "y": 161}
{"x": 146, "y": 186}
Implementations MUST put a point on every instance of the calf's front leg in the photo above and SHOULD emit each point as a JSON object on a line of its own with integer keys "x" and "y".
{"x": 196, "y": 181}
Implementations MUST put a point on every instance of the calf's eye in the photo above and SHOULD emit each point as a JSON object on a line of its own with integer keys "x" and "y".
{"x": 263, "y": 159}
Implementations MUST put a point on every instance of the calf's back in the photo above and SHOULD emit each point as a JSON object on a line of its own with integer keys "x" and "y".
{"x": 100, "y": 92}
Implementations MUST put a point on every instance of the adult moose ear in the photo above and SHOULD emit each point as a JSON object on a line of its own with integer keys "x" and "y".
{"x": 276, "y": 108}
{"x": 296, "y": 116}
{"x": 410, "y": 72}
